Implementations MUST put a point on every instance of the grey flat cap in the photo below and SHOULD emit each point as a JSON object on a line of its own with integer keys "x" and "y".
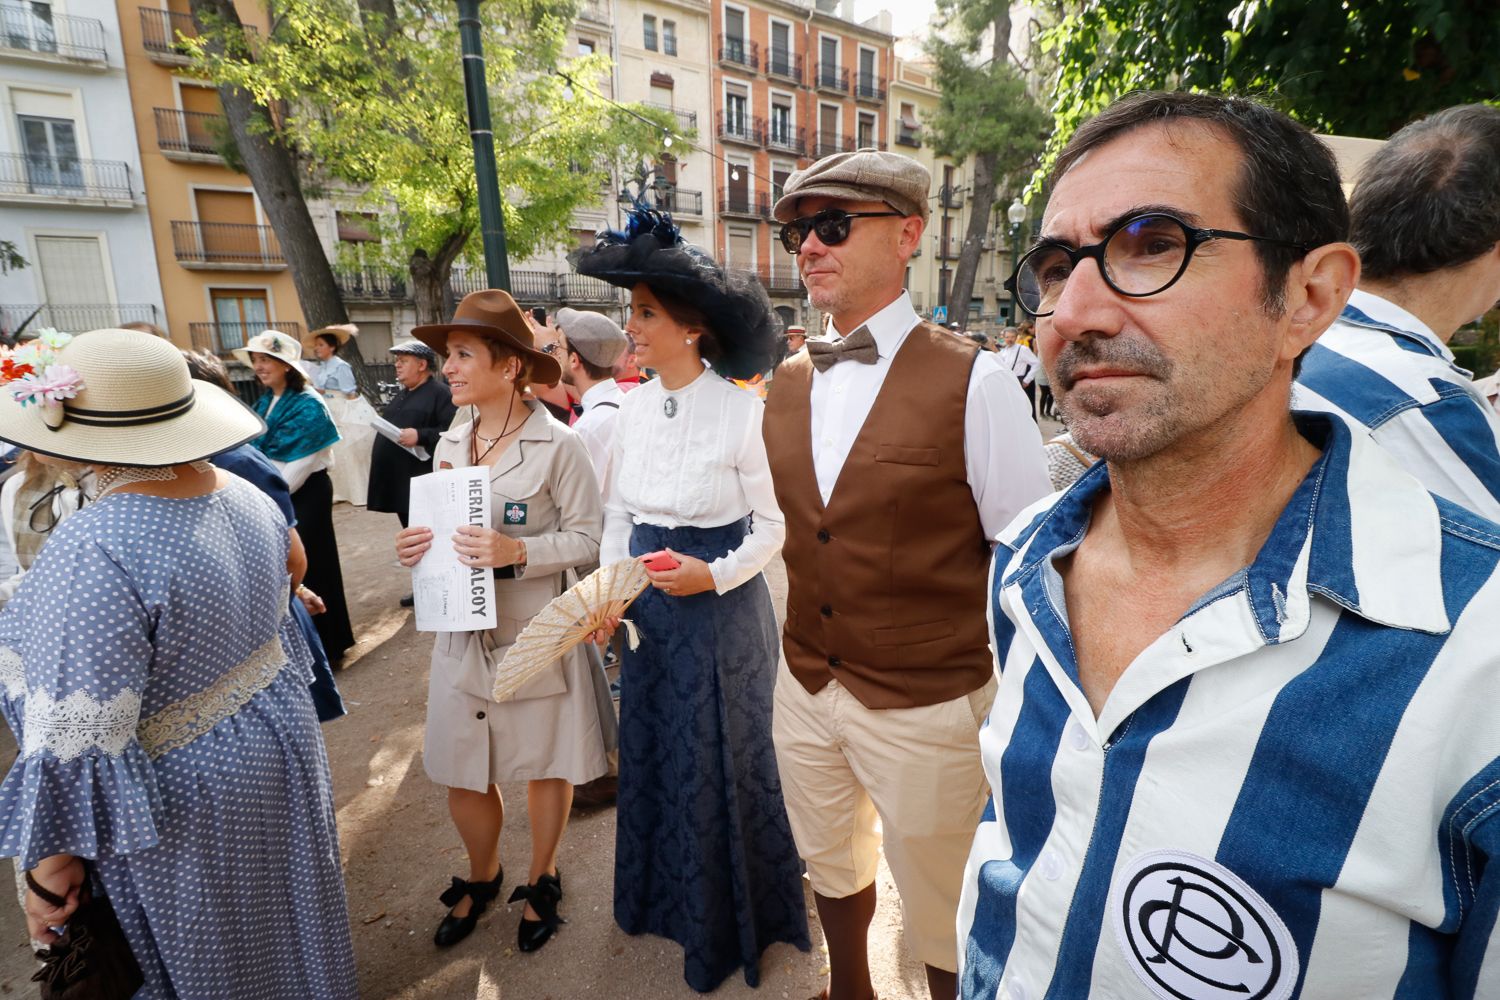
{"x": 597, "y": 338}
{"x": 863, "y": 175}
{"x": 418, "y": 349}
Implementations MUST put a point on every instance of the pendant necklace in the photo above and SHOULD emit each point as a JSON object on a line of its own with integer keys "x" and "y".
{"x": 669, "y": 407}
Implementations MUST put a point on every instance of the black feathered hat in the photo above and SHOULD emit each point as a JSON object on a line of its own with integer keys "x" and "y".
{"x": 651, "y": 251}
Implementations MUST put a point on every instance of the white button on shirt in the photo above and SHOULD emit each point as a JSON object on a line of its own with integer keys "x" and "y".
{"x": 1007, "y": 468}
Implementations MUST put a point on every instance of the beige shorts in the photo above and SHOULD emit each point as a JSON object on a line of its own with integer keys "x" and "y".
{"x": 917, "y": 769}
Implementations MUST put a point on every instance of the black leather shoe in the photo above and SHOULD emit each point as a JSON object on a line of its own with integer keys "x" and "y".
{"x": 454, "y": 929}
{"x": 543, "y": 895}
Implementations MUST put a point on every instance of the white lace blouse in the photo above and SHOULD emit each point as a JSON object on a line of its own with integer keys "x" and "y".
{"x": 703, "y": 466}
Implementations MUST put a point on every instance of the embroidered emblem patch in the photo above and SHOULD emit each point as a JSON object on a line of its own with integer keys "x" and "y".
{"x": 515, "y": 513}
{"x": 1191, "y": 929}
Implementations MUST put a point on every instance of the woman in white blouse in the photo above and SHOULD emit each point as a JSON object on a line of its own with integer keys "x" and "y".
{"x": 703, "y": 851}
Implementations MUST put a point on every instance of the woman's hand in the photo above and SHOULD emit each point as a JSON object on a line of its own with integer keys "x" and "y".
{"x": 412, "y": 544}
{"x": 408, "y": 437}
{"x": 605, "y": 632}
{"x": 691, "y": 577}
{"x": 63, "y": 875}
{"x": 478, "y": 546}
{"x": 311, "y": 601}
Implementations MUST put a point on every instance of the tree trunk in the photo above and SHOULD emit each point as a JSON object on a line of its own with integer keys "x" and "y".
{"x": 430, "y": 279}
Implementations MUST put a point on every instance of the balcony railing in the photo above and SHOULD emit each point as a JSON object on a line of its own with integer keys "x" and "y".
{"x": 687, "y": 120}
{"x": 226, "y": 246}
{"x": 868, "y": 87}
{"x": 742, "y": 128}
{"x": 950, "y": 197}
{"x": 741, "y": 53}
{"x": 831, "y": 76}
{"x": 779, "y": 279}
{"x": 581, "y": 288}
{"x": 74, "y": 318}
{"x": 162, "y": 32}
{"x": 23, "y": 30}
{"x": 221, "y": 338}
{"x": 744, "y": 203}
{"x": 909, "y": 137}
{"x": 676, "y": 200}
{"x": 46, "y": 177}
{"x": 786, "y": 65}
{"x": 533, "y": 286}
{"x": 785, "y": 139}
{"x": 189, "y": 135}
{"x": 364, "y": 284}
{"x": 828, "y": 143}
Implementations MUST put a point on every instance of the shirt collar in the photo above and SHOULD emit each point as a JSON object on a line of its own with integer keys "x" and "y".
{"x": 599, "y": 393}
{"x": 889, "y": 326}
{"x": 1368, "y": 309}
{"x": 1359, "y": 531}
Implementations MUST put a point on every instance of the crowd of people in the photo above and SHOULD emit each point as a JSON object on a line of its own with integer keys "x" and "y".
{"x": 1188, "y": 702}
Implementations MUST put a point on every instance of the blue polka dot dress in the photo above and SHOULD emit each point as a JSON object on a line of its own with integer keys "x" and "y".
{"x": 158, "y": 690}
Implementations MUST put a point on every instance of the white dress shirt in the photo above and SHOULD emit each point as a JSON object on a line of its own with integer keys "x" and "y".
{"x": 596, "y": 425}
{"x": 703, "y": 467}
{"x": 1007, "y": 468}
{"x": 1019, "y": 360}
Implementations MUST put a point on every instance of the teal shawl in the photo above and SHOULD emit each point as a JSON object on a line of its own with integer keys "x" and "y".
{"x": 298, "y": 427}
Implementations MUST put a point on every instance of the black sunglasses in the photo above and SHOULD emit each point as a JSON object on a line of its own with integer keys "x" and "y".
{"x": 1141, "y": 256}
{"x": 831, "y": 225}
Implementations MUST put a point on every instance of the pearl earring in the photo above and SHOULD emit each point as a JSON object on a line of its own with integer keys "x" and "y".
{"x": 688, "y": 341}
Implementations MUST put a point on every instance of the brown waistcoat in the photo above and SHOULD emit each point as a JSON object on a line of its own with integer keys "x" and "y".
{"x": 886, "y": 585}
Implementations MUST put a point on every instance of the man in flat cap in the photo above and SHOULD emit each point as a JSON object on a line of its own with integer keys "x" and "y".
{"x": 898, "y": 452}
{"x": 592, "y": 345}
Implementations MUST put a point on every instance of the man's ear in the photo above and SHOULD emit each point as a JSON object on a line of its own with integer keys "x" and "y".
{"x": 1317, "y": 288}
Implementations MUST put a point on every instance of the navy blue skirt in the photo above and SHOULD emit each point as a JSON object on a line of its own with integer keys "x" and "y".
{"x": 703, "y": 851}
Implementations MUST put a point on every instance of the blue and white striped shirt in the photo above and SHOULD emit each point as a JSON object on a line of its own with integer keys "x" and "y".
{"x": 1381, "y": 368}
{"x": 1292, "y": 792}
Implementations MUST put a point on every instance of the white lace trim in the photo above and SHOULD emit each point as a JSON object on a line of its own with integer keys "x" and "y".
{"x": 182, "y": 722}
{"x": 79, "y": 722}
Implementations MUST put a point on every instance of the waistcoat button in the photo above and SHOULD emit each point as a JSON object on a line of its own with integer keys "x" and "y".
{"x": 478, "y": 715}
{"x": 823, "y": 535}
{"x": 834, "y": 661}
{"x": 826, "y": 611}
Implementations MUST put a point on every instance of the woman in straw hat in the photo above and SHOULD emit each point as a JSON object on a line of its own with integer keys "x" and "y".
{"x": 299, "y": 437}
{"x": 169, "y": 756}
{"x": 703, "y": 850}
{"x": 557, "y": 731}
{"x": 333, "y": 378}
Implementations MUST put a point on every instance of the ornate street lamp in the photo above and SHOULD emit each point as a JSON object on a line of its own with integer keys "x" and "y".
{"x": 1016, "y": 213}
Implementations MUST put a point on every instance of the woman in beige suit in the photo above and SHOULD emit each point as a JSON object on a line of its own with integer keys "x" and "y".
{"x": 556, "y": 731}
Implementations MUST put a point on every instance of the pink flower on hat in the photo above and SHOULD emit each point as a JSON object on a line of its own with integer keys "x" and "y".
{"x": 55, "y": 384}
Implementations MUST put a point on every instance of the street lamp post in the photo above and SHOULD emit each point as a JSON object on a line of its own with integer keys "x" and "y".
{"x": 477, "y": 96}
{"x": 1016, "y": 213}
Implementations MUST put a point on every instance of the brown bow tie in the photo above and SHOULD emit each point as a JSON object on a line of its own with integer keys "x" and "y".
{"x": 858, "y": 346}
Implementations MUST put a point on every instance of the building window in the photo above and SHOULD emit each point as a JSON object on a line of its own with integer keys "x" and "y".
{"x": 649, "y": 30}
{"x": 669, "y": 37}
{"x": 865, "y": 135}
{"x": 73, "y": 271}
{"x": 909, "y": 132}
{"x": 51, "y": 147}
{"x": 736, "y": 113}
{"x": 585, "y": 47}
{"x": 239, "y": 313}
{"x": 781, "y": 49}
{"x": 781, "y": 124}
{"x": 29, "y": 26}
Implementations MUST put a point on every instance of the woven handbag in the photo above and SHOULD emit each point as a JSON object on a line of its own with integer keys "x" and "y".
{"x": 92, "y": 960}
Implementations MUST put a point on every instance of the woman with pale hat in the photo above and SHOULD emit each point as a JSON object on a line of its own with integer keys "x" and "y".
{"x": 703, "y": 850}
{"x": 557, "y": 731}
{"x": 299, "y": 436}
{"x": 170, "y": 760}
{"x": 333, "y": 378}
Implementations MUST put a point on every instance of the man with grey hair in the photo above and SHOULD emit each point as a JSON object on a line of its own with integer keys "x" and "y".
{"x": 1425, "y": 218}
{"x": 592, "y": 344}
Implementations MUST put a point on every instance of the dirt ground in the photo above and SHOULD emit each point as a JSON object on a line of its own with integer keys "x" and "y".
{"x": 400, "y": 848}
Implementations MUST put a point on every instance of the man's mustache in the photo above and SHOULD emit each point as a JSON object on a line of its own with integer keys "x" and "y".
{"x": 1138, "y": 357}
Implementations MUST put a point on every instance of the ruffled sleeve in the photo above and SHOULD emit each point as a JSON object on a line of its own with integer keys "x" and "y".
{"x": 75, "y": 654}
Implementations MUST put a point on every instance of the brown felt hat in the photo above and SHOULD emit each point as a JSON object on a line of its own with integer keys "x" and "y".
{"x": 863, "y": 175}
{"x": 493, "y": 314}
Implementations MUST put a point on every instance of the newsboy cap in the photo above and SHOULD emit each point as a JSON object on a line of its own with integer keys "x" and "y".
{"x": 863, "y": 175}
{"x": 597, "y": 338}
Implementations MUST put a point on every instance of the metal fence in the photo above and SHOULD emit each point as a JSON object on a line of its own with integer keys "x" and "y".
{"x": 64, "y": 176}
{"x": 35, "y": 28}
{"x": 226, "y": 243}
{"x": 74, "y": 318}
{"x": 189, "y": 131}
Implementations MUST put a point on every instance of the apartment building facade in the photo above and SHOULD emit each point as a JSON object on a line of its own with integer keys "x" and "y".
{"x": 72, "y": 199}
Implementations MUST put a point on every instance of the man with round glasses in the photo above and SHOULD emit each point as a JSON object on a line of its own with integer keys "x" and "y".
{"x": 1425, "y": 217}
{"x": 1243, "y": 743}
{"x": 897, "y": 452}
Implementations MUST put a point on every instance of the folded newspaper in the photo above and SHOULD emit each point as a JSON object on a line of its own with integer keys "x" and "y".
{"x": 392, "y": 433}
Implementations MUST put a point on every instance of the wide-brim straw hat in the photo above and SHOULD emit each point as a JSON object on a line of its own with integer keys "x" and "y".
{"x": 138, "y": 406}
{"x": 494, "y": 315}
{"x": 651, "y": 251}
{"x": 342, "y": 332}
{"x": 272, "y": 343}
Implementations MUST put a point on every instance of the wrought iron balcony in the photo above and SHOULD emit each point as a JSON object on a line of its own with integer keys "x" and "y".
{"x": 785, "y": 139}
{"x": 686, "y": 120}
{"x": 740, "y": 53}
{"x": 785, "y": 65}
{"x": 779, "y": 278}
{"x": 75, "y": 318}
{"x": 744, "y": 203}
{"x": 950, "y": 197}
{"x": 162, "y": 32}
{"x": 32, "y": 177}
{"x": 678, "y": 201}
{"x": 909, "y": 137}
{"x": 581, "y": 288}
{"x": 226, "y": 246}
{"x": 742, "y": 129}
{"x": 869, "y": 87}
{"x": 533, "y": 286}
{"x": 35, "y": 32}
{"x": 362, "y": 284}
{"x": 828, "y": 143}
{"x": 221, "y": 338}
{"x": 190, "y": 135}
{"x": 831, "y": 76}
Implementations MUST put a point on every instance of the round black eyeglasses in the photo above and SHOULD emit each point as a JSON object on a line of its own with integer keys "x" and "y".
{"x": 1142, "y": 255}
{"x": 831, "y": 225}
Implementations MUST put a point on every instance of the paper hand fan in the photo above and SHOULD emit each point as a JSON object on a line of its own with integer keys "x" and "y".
{"x": 567, "y": 621}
